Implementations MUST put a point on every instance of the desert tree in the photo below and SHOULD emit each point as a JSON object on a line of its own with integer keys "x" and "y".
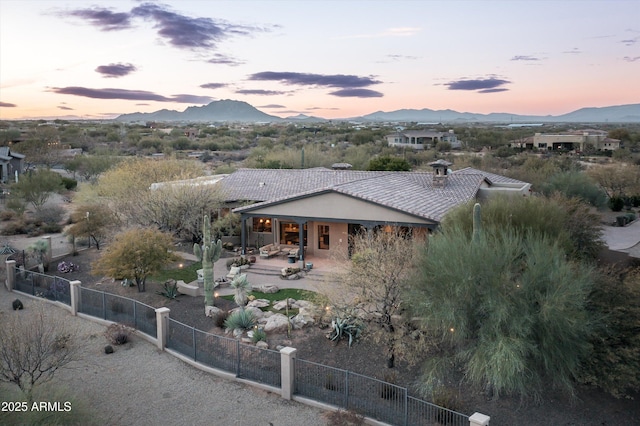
{"x": 617, "y": 180}
{"x": 33, "y": 347}
{"x": 35, "y": 187}
{"x": 370, "y": 286}
{"x": 505, "y": 309}
{"x": 135, "y": 254}
{"x": 92, "y": 221}
{"x": 90, "y": 166}
{"x": 569, "y": 221}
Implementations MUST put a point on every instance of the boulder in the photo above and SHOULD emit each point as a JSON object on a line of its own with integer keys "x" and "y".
{"x": 282, "y": 304}
{"x": 276, "y": 323}
{"x": 262, "y": 345}
{"x": 212, "y": 311}
{"x": 268, "y": 289}
{"x": 259, "y": 303}
{"x": 301, "y": 320}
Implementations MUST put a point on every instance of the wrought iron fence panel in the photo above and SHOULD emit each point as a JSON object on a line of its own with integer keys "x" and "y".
{"x": 421, "y": 412}
{"x": 180, "y": 337}
{"x": 119, "y": 309}
{"x": 260, "y": 365}
{"x": 377, "y": 399}
{"x": 321, "y": 382}
{"x": 24, "y": 281}
{"x": 145, "y": 319}
{"x": 92, "y": 302}
{"x": 217, "y": 351}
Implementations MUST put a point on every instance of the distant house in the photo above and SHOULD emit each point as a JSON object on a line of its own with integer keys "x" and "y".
{"x": 581, "y": 140}
{"x": 10, "y": 163}
{"x": 422, "y": 139}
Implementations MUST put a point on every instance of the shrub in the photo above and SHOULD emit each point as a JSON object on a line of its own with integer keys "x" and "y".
{"x": 616, "y": 203}
{"x": 69, "y": 183}
{"x": 259, "y": 335}
{"x": 344, "y": 418}
{"x": 220, "y": 319}
{"x": 240, "y": 320}
{"x": 118, "y": 334}
{"x": 7, "y": 215}
{"x": 53, "y": 214}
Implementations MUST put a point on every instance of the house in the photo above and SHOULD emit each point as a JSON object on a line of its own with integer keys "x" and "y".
{"x": 582, "y": 140}
{"x": 322, "y": 208}
{"x": 11, "y": 164}
{"x": 422, "y": 139}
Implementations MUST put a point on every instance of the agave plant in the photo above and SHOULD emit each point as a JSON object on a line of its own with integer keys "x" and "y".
{"x": 343, "y": 328}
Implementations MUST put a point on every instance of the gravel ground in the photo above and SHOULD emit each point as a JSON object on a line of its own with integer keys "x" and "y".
{"x": 139, "y": 385}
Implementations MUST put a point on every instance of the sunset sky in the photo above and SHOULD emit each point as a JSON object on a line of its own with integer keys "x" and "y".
{"x": 332, "y": 59}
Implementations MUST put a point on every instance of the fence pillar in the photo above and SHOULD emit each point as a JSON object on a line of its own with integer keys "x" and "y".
{"x": 49, "y": 255}
{"x": 74, "y": 289}
{"x": 287, "y": 372}
{"x": 10, "y": 266}
{"x": 479, "y": 419}
{"x": 162, "y": 316}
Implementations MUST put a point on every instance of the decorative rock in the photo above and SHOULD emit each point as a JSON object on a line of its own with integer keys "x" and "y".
{"x": 303, "y": 304}
{"x": 293, "y": 277}
{"x": 301, "y": 320}
{"x": 108, "y": 349}
{"x": 212, "y": 311}
{"x": 237, "y": 333}
{"x": 268, "y": 289}
{"x": 259, "y": 303}
{"x": 282, "y": 304}
{"x": 17, "y": 305}
{"x": 262, "y": 345}
{"x": 245, "y": 340}
{"x": 280, "y": 347}
{"x": 276, "y": 323}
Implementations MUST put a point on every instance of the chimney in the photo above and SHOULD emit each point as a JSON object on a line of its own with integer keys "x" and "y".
{"x": 440, "y": 172}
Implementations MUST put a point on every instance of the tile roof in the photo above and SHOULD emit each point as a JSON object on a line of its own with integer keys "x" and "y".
{"x": 410, "y": 192}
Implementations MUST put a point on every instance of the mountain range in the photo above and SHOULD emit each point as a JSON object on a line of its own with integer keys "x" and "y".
{"x": 238, "y": 111}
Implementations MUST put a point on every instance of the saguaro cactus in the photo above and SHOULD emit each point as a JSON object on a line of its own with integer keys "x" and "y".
{"x": 477, "y": 222}
{"x": 208, "y": 253}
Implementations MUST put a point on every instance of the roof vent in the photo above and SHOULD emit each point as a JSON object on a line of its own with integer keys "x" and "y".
{"x": 261, "y": 184}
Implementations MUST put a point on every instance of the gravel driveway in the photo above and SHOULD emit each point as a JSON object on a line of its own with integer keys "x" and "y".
{"x": 139, "y": 385}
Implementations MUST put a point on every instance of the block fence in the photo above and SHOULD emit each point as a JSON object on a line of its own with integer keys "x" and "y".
{"x": 287, "y": 354}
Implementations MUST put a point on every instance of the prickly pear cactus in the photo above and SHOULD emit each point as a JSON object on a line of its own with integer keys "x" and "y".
{"x": 208, "y": 253}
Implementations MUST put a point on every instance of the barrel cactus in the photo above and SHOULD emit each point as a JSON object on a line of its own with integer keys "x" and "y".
{"x": 207, "y": 253}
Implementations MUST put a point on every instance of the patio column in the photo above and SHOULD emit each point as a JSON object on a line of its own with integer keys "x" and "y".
{"x": 301, "y": 242}
{"x": 243, "y": 234}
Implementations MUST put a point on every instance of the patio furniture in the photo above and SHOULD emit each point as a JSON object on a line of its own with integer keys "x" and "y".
{"x": 269, "y": 250}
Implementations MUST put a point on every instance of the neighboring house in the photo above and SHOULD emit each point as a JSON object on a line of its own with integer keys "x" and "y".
{"x": 322, "y": 208}
{"x": 422, "y": 139}
{"x": 570, "y": 141}
{"x": 10, "y": 163}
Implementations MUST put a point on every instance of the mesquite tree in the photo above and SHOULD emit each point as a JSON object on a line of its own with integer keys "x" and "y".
{"x": 208, "y": 253}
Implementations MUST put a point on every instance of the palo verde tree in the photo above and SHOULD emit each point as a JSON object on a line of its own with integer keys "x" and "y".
{"x": 371, "y": 286}
{"x": 37, "y": 186}
{"x": 33, "y": 347}
{"x": 91, "y": 221}
{"x": 136, "y": 254}
{"x": 507, "y": 310}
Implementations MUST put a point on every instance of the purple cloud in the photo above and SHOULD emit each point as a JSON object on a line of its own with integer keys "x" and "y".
{"x": 133, "y": 95}
{"x": 7, "y": 105}
{"x": 259, "y": 92}
{"x": 104, "y": 19}
{"x": 65, "y": 108}
{"x": 178, "y": 30}
{"x": 116, "y": 70}
{"x": 305, "y": 79}
{"x": 220, "y": 59}
{"x": 356, "y": 93}
{"x": 213, "y": 85}
{"x": 631, "y": 59}
{"x": 630, "y": 41}
{"x": 493, "y": 90}
{"x": 575, "y": 50}
{"x": 482, "y": 84}
{"x": 524, "y": 58}
{"x": 185, "y": 32}
{"x": 272, "y": 106}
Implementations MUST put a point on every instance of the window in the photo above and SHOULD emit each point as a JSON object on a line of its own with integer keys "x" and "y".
{"x": 323, "y": 237}
{"x": 261, "y": 224}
